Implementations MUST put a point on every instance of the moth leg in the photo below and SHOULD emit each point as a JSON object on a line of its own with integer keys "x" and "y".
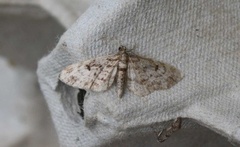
{"x": 167, "y": 132}
{"x": 177, "y": 123}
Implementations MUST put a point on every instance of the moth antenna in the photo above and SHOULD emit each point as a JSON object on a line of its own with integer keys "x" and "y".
{"x": 132, "y": 49}
{"x": 117, "y": 41}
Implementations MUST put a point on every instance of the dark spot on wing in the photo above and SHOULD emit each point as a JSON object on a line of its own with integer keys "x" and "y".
{"x": 108, "y": 66}
{"x": 95, "y": 84}
{"x": 88, "y": 67}
{"x": 112, "y": 59}
{"x": 72, "y": 79}
{"x": 122, "y": 69}
{"x": 85, "y": 84}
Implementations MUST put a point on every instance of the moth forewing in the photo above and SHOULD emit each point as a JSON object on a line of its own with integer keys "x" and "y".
{"x": 95, "y": 74}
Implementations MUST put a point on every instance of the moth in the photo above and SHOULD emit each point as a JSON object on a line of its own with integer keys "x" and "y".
{"x": 140, "y": 75}
{"x": 166, "y": 133}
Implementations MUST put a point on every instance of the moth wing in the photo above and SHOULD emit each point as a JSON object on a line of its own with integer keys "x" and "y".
{"x": 146, "y": 75}
{"x": 96, "y": 74}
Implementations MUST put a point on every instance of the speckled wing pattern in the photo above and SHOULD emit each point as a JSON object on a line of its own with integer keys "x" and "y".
{"x": 96, "y": 74}
{"x": 146, "y": 75}
{"x": 141, "y": 75}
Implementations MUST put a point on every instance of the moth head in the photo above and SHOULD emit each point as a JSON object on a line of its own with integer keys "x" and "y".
{"x": 122, "y": 48}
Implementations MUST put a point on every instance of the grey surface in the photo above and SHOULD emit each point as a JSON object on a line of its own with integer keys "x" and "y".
{"x": 26, "y": 34}
{"x": 185, "y": 137}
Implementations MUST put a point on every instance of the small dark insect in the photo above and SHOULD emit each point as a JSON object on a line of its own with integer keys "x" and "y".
{"x": 167, "y": 132}
{"x": 80, "y": 99}
{"x": 64, "y": 44}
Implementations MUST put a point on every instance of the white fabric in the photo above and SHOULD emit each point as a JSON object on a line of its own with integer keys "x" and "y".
{"x": 200, "y": 37}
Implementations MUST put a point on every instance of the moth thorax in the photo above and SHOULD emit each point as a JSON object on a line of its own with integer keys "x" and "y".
{"x": 123, "y": 61}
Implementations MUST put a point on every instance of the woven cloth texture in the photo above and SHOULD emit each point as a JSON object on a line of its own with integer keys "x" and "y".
{"x": 199, "y": 37}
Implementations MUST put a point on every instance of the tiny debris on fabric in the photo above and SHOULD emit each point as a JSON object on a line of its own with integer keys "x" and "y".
{"x": 141, "y": 75}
